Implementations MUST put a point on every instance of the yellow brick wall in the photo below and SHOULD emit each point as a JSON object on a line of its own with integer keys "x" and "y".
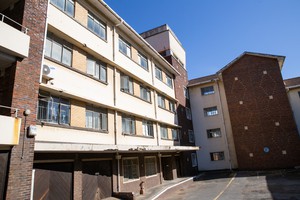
{"x": 77, "y": 113}
{"x": 136, "y": 89}
{"x": 167, "y": 104}
{"x": 139, "y": 126}
{"x": 79, "y": 59}
{"x": 81, "y": 14}
{"x": 169, "y": 133}
{"x": 110, "y": 121}
{"x": 134, "y": 54}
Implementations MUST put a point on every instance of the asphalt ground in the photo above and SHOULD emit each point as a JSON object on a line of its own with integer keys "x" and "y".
{"x": 248, "y": 185}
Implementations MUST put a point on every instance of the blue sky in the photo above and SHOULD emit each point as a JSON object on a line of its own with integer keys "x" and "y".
{"x": 214, "y": 32}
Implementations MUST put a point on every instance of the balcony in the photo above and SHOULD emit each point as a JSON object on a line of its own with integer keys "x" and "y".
{"x": 14, "y": 41}
{"x": 10, "y": 128}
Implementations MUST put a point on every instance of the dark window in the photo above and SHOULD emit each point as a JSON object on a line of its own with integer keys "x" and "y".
{"x": 207, "y": 90}
{"x": 150, "y": 166}
{"x": 131, "y": 169}
{"x": 215, "y": 156}
{"x": 213, "y": 133}
{"x": 210, "y": 111}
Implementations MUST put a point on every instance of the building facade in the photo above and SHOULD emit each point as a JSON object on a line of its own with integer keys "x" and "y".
{"x": 293, "y": 90}
{"x": 102, "y": 101}
{"x": 252, "y": 110}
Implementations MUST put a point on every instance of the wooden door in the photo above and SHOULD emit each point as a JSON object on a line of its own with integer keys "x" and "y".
{"x": 166, "y": 163}
{"x": 96, "y": 180}
{"x": 53, "y": 181}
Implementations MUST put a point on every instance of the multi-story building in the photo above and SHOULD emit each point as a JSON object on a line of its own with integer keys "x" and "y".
{"x": 242, "y": 116}
{"x": 102, "y": 101}
{"x": 164, "y": 40}
{"x": 293, "y": 89}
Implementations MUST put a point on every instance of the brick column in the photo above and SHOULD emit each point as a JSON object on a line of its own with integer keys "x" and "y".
{"x": 77, "y": 192}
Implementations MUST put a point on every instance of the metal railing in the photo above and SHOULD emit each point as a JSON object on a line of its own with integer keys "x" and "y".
{"x": 23, "y": 28}
{"x": 16, "y": 110}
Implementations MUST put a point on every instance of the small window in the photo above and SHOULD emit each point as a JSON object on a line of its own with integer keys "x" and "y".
{"x": 97, "y": 69}
{"x": 163, "y": 132}
{"x": 158, "y": 73}
{"x": 124, "y": 47}
{"x": 66, "y": 6}
{"x": 58, "y": 50}
{"x": 215, "y": 156}
{"x": 96, "y": 118}
{"x": 211, "y": 111}
{"x": 128, "y": 125}
{"x": 53, "y": 109}
{"x": 175, "y": 134}
{"x": 150, "y": 166}
{"x": 186, "y": 93}
{"x": 143, "y": 61}
{"x": 207, "y": 90}
{"x": 172, "y": 106}
{"x": 213, "y": 133}
{"x": 147, "y": 128}
{"x": 126, "y": 84}
{"x": 161, "y": 101}
{"x": 191, "y": 136}
{"x": 96, "y": 26}
{"x": 188, "y": 113}
{"x": 131, "y": 169}
{"x": 169, "y": 81}
{"x": 194, "y": 159}
{"x": 145, "y": 93}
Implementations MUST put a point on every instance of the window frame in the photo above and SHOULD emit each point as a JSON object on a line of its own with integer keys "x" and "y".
{"x": 132, "y": 125}
{"x": 148, "y": 129}
{"x": 155, "y": 165}
{"x": 172, "y": 107}
{"x": 65, "y": 6}
{"x": 58, "y": 103}
{"x": 211, "y": 133}
{"x": 127, "y": 85}
{"x": 103, "y": 118}
{"x": 205, "y": 90}
{"x": 210, "y": 111}
{"x": 161, "y": 101}
{"x": 100, "y": 65}
{"x": 141, "y": 58}
{"x": 158, "y": 73}
{"x": 217, "y": 158}
{"x": 161, "y": 128}
{"x": 127, "y": 46}
{"x": 130, "y": 168}
{"x": 194, "y": 159}
{"x": 188, "y": 113}
{"x": 191, "y": 136}
{"x": 169, "y": 81}
{"x": 100, "y": 23}
{"x": 176, "y": 138}
{"x": 144, "y": 89}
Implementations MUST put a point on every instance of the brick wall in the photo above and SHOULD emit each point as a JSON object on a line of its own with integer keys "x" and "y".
{"x": 24, "y": 94}
{"x": 260, "y": 114}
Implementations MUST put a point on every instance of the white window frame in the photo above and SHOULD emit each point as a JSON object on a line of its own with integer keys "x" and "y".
{"x": 64, "y": 5}
{"x": 130, "y": 167}
{"x": 155, "y": 165}
{"x": 148, "y": 128}
{"x": 164, "y": 132}
{"x": 158, "y": 73}
{"x": 169, "y": 81}
{"x": 128, "y": 125}
{"x": 99, "y": 114}
{"x": 96, "y": 69}
{"x": 145, "y": 93}
{"x": 161, "y": 101}
{"x": 172, "y": 106}
{"x": 126, "y": 84}
{"x": 124, "y": 47}
{"x": 97, "y": 23}
{"x": 143, "y": 61}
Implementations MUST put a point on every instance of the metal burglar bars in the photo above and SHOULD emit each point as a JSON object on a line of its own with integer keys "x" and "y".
{"x": 16, "y": 109}
{"x": 23, "y": 28}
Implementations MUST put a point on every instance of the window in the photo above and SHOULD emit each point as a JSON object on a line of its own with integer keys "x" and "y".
{"x": 66, "y": 6}
{"x": 128, "y": 125}
{"x": 207, "y": 90}
{"x": 58, "y": 50}
{"x": 126, "y": 84}
{"x": 164, "y": 132}
{"x": 96, "y": 69}
{"x": 150, "y": 166}
{"x": 96, "y": 26}
{"x": 145, "y": 93}
{"x": 96, "y": 118}
{"x": 158, "y": 73}
{"x": 147, "y": 128}
{"x": 188, "y": 113}
{"x": 194, "y": 159}
{"x": 171, "y": 106}
{"x": 191, "y": 136}
{"x": 124, "y": 47}
{"x": 53, "y": 109}
{"x": 174, "y": 134}
{"x": 169, "y": 81}
{"x": 210, "y": 111}
{"x": 213, "y": 133}
{"x": 131, "y": 169}
{"x": 143, "y": 61}
{"x": 161, "y": 101}
{"x": 186, "y": 93}
{"x": 215, "y": 156}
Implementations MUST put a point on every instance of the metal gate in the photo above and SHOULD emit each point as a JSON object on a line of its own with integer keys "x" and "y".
{"x": 53, "y": 181}
{"x": 96, "y": 179}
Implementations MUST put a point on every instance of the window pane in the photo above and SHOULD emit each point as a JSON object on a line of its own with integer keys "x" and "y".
{"x": 207, "y": 90}
{"x": 103, "y": 73}
{"x": 90, "y": 67}
{"x": 48, "y": 47}
{"x": 90, "y": 23}
{"x": 70, "y": 7}
{"x": 67, "y": 57}
{"x": 169, "y": 81}
{"x": 104, "y": 121}
{"x": 43, "y": 110}
{"x": 89, "y": 119}
{"x": 150, "y": 166}
{"x": 64, "y": 114}
{"x": 56, "y": 51}
{"x": 158, "y": 73}
{"x": 97, "y": 71}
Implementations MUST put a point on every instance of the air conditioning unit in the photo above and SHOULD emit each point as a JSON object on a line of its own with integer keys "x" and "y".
{"x": 48, "y": 72}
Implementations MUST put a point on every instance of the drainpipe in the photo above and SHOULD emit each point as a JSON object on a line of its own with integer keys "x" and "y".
{"x": 118, "y": 158}
{"x": 160, "y": 168}
{"x": 226, "y": 140}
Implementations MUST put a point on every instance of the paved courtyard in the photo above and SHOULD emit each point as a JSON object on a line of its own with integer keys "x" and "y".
{"x": 284, "y": 184}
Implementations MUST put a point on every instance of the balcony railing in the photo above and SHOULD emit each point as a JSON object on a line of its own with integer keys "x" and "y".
{"x": 12, "y": 22}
